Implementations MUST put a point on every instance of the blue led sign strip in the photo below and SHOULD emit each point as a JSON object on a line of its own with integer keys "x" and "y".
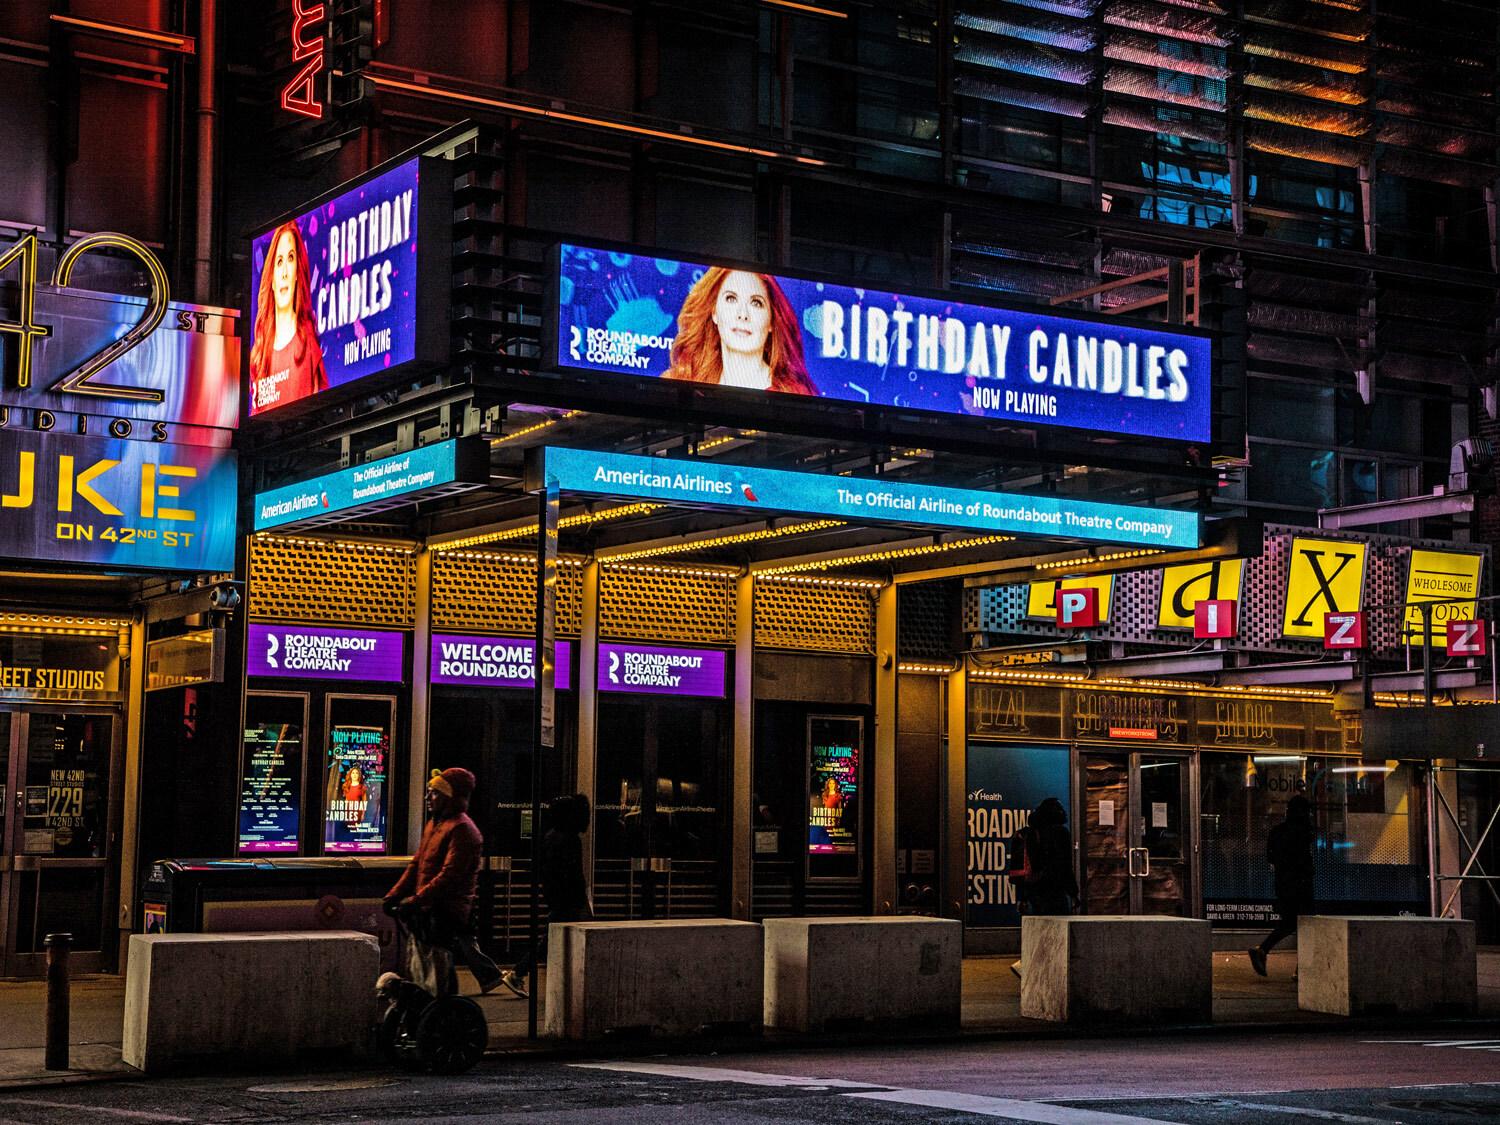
{"x": 866, "y": 501}
{"x": 374, "y": 485}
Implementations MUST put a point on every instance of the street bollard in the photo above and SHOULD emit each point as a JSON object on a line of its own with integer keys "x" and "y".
{"x": 57, "y": 1000}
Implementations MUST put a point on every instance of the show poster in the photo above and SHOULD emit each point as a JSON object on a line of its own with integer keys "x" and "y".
{"x": 1005, "y": 783}
{"x": 354, "y": 820}
{"x": 833, "y": 788}
{"x": 633, "y": 314}
{"x": 337, "y": 292}
{"x": 270, "y": 801}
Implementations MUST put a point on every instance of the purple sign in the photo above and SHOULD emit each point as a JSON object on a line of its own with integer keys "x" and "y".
{"x": 325, "y": 654}
{"x": 662, "y": 671}
{"x": 493, "y": 661}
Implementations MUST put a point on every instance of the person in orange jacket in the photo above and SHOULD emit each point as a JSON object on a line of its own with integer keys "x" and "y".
{"x": 435, "y": 894}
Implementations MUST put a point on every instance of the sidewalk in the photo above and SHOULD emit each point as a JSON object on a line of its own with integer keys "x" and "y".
{"x": 991, "y": 1006}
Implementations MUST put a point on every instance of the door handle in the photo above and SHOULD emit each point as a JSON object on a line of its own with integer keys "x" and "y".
{"x": 1140, "y": 862}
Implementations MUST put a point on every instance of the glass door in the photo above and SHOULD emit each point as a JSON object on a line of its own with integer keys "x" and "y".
{"x": 658, "y": 806}
{"x": 1136, "y": 853}
{"x": 59, "y": 769}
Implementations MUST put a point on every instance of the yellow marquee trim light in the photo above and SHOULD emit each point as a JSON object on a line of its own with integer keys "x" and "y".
{"x": 529, "y": 529}
{"x": 728, "y": 540}
{"x": 897, "y": 553}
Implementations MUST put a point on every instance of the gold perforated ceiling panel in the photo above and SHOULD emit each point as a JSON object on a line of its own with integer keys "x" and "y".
{"x": 491, "y": 592}
{"x": 310, "y": 580}
{"x": 814, "y": 617}
{"x": 665, "y": 604}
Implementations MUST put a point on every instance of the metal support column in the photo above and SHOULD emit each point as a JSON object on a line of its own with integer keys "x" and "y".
{"x": 421, "y": 698}
{"x": 130, "y": 821}
{"x": 543, "y": 713}
{"x": 741, "y": 781}
{"x": 954, "y": 802}
{"x": 586, "y": 671}
{"x": 883, "y": 844}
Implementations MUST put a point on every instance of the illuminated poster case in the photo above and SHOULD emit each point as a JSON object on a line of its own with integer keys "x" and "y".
{"x": 354, "y": 292}
{"x": 619, "y": 311}
{"x": 835, "y": 796}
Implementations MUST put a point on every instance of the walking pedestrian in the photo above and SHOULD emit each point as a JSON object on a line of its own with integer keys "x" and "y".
{"x": 564, "y": 885}
{"x": 1289, "y": 850}
{"x": 1046, "y": 884}
{"x": 435, "y": 894}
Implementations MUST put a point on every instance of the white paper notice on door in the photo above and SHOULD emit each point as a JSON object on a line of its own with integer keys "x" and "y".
{"x": 1158, "y": 814}
{"x": 1106, "y": 814}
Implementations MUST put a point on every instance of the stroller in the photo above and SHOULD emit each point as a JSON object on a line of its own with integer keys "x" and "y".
{"x": 425, "y": 1024}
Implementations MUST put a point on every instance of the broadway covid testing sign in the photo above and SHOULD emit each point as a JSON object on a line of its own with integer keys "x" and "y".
{"x": 865, "y": 501}
{"x": 634, "y": 314}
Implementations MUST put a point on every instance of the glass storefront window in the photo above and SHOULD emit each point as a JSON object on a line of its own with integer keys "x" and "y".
{"x": 1368, "y": 816}
{"x": 67, "y": 786}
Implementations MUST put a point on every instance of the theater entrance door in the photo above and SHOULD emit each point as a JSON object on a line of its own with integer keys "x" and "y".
{"x": 59, "y": 803}
{"x": 1135, "y": 832}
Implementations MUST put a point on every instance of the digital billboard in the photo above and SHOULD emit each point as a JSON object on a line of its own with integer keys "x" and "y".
{"x": 460, "y": 462}
{"x": 324, "y": 654}
{"x": 469, "y": 661}
{"x": 661, "y": 671}
{"x": 853, "y": 498}
{"x": 357, "y": 285}
{"x": 116, "y": 503}
{"x": 626, "y": 313}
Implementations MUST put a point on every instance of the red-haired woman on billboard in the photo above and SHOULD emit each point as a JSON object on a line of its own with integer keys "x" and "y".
{"x": 737, "y": 329}
{"x": 286, "y": 360}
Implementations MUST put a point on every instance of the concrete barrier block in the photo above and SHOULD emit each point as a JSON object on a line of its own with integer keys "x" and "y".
{"x": 1116, "y": 968}
{"x": 827, "y": 972}
{"x": 670, "y": 977}
{"x": 262, "y": 996}
{"x": 1375, "y": 966}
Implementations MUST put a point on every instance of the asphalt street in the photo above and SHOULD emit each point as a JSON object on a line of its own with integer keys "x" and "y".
{"x": 1238, "y": 1080}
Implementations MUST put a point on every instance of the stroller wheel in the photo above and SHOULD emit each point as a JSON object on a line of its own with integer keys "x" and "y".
{"x": 394, "y": 1040}
{"x": 451, "y": 1035}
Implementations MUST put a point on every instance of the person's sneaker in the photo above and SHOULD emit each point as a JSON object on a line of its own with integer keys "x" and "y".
{"x": 1015, "y": 967}
{"x": 1258, "y": 960}
{"x": 514, "y": 983}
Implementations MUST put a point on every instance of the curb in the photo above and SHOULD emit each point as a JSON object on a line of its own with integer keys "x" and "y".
{"x": 543, "y": 1050}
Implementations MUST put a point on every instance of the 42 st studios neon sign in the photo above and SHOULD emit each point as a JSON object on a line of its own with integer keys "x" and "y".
{"x": 85, "y": 379}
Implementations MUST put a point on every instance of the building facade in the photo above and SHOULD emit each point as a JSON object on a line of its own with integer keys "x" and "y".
{"x": 1313, "y": 186}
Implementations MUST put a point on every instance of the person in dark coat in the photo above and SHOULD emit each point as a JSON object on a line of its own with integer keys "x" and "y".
{"x": 435, "y": 894}
{"x": 1289, "y": 850}
{"x": 1051, "y": 888}
{"x": 564, "y": 886}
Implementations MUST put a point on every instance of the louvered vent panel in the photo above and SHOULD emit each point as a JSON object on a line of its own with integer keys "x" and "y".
{"x": 310, "y": 580}
{"x": 479, "y": 592}
{"x": 816, "y": 618}
{"x": 666, "y": 605}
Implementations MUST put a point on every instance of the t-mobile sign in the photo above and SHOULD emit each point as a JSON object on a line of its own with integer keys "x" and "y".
{"x": 661, "y": 671}
{"x": 325, "y": 654}
{"x": 493, "y": 661}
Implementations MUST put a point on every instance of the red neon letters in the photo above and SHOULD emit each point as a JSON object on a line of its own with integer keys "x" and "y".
{"x": 301, "y": 94}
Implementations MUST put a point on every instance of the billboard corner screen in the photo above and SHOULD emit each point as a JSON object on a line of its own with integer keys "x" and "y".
{"x": 623, "y": 312}
{"x": 354, "y": 288}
